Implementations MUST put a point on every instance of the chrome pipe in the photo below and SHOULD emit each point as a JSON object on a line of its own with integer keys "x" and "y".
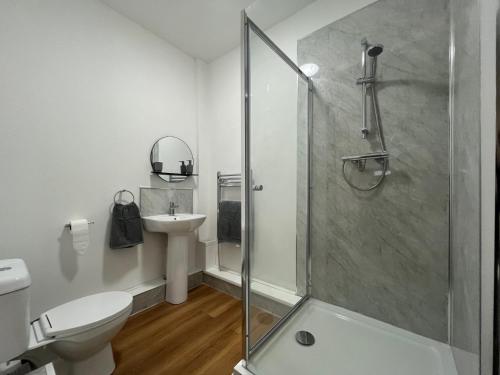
{"x": 374, "y": 155}
{"x": 224, "y": 178}
{"x": 219, "y": 197}
{"x": 360, "y": 81}
{"x": 376, "y": 113}
{"x": 364, "y": 46}
{"x": 364, "y": 129}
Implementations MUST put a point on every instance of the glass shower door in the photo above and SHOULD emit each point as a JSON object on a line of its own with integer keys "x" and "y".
{"x": 276, "y": 186}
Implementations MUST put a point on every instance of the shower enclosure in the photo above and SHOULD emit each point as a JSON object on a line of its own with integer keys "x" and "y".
{"x": 376, "y": 231}
{"x": 276, "y": 197}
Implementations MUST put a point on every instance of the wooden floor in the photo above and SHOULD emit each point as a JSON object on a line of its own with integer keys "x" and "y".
{"x": 201, "y": 336}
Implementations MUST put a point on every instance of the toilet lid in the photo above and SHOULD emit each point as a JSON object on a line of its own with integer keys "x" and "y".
{"x": 84, "y": 313}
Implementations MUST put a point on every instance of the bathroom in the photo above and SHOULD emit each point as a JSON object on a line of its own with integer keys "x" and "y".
{"x": 248, "y": 187}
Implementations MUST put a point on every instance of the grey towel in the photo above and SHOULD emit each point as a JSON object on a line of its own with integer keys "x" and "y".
{"x": 126, "y": 226}
{"x": 229, "y": 228}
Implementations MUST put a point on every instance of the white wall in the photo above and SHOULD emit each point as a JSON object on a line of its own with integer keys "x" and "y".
{"x": 223, "y": 119}
{"x": 84, "y": 93}
{"x": 219, "y": 132}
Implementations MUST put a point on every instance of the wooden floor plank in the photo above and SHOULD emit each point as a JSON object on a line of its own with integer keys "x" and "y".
{"x": 199, "y": 337}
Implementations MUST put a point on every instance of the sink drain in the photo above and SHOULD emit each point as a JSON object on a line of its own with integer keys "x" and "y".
{"x": 304, "y": 338}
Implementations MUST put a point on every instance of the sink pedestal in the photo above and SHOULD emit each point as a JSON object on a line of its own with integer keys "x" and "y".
{"x": 177, "y": 267}
{"x": 179, "y": 229}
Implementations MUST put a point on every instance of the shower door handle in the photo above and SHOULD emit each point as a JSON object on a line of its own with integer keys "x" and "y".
{"x": 258, "y": 188}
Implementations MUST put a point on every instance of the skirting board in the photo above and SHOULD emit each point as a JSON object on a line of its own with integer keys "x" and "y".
{"x": 155, "y": 295}
{"x": 263, "y": 303}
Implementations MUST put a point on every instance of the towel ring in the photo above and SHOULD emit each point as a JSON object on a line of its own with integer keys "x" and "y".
{"x": 123, "y": 191}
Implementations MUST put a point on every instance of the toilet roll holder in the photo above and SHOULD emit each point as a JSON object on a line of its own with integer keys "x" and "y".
{"x": 68, "y": 225}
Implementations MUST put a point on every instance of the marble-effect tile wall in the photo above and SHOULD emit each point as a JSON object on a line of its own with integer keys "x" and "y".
{"x": 465, "y": 199}
{"x": 383, "y": 253}
{"x": 156, "y": 201}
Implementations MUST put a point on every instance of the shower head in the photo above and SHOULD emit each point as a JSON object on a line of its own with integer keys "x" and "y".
{"x": 375, "y": 50}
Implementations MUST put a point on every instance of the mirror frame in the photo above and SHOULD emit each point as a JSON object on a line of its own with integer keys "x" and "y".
{"x": 170, "y": 177}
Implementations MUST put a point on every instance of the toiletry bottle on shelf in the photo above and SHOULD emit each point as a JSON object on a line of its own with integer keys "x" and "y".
{"x": 189, "y": 167}
{"x": 157, "y": 166}
{"x": 183, "y": 167}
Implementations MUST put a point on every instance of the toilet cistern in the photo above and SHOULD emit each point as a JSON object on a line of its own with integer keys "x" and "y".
{"x": 15, "y": 281}
{"x": 179, "y": 228}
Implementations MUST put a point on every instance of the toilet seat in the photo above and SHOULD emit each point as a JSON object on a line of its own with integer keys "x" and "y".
{"x": 84, "y": 313}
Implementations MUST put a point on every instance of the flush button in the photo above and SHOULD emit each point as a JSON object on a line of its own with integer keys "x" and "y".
{"x": 5, "y": 268}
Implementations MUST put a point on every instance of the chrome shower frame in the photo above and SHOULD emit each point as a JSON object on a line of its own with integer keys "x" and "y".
{"x": 247, "y": 25}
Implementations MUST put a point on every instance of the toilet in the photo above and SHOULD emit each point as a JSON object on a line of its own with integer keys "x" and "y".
{"x": 79, "y": 331}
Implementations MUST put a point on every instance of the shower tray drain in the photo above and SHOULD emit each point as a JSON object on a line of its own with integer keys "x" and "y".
{"x": 304, "y": 338}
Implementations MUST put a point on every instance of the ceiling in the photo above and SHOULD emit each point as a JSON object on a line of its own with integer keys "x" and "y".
{"x": 205, "y": 29}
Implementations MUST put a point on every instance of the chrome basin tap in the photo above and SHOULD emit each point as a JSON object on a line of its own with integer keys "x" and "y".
{"x": 171, "y": 208}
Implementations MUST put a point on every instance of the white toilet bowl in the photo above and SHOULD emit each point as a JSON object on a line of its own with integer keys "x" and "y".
{"x": 80, "y": 331}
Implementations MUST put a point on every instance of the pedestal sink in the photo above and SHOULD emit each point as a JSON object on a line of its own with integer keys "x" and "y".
{"x": 178, "y": 227}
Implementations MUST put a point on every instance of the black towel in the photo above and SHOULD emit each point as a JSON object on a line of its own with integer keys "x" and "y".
{"x": 126, "y": 226}
{"x": 229, "y": 228}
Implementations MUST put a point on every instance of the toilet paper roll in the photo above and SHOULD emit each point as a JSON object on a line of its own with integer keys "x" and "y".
{"x": 80, "y": 232}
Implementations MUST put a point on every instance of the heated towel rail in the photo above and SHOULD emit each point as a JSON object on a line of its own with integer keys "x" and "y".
{"x": 224, "y": 181}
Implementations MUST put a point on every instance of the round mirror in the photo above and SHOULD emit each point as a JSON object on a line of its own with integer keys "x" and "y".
{"x": 172, "y": 159}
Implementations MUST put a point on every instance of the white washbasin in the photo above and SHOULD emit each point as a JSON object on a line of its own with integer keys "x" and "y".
{"x": 179, "y": 228}
{"x": 178, "y": 223}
